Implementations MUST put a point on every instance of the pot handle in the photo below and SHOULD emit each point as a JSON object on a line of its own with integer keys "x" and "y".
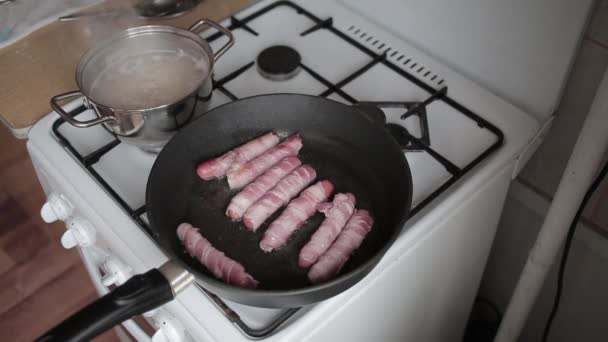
{"x": 67, "y": 117}
{"x": 140, "y": 294}
{"x": 197, "y": 25}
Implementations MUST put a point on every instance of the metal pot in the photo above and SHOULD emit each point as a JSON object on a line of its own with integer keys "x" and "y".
{"x": 146, "y": 126}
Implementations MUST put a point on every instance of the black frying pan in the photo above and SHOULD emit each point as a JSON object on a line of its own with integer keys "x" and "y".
{"x": 340, "y": 142}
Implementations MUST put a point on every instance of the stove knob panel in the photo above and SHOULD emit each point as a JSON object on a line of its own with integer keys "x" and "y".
{"x": 169, "y": 329}
{"x": 57, "y": 207}
{"x": 109, "y": 279}
{"x": 116, "y": 273}
{"x": 79, "y": 232}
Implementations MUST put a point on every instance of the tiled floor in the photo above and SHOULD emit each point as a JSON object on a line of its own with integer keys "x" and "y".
{"x": 40, "y": 282}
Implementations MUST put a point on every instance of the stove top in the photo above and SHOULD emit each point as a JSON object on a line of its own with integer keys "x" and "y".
{"x": 283, "y": 48}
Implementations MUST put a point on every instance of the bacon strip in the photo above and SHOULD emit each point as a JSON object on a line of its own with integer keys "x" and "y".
{"x": 337, "y": 214}
{"x": 238, "y": 178}
{"x": 331, "y": 262}
{"x": 285, "y": 190}
{"x": 215, "y": 261}
{"x": 254, "y": 191}
{"x": 234, "y": 158}
{"x": 298, "y": 211}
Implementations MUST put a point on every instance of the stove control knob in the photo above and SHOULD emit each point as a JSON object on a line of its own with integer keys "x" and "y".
{"x": 116, "y": 273}
{"x": 79, "y": 232}
{"x": 169, "y": 329}
{"x": 57, "y": 207}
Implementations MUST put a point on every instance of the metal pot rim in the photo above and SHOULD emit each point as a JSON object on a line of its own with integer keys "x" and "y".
{"x": 136, "y": 31}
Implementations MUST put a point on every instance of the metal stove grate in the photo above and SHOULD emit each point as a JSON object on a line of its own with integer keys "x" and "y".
{"x": 422, "y": 144}
{"x": 375, "y": 58}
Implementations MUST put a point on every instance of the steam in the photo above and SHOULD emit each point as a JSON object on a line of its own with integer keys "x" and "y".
{"x": 111, "y": 18}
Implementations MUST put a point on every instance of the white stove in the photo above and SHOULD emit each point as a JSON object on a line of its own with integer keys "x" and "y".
{"x": 462, "y": 152}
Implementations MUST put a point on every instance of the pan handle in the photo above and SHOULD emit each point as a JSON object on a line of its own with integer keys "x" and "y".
{"x": 139, "y": 294}
{"x": 67, "y": 117}
{"x": 197, "y": 25}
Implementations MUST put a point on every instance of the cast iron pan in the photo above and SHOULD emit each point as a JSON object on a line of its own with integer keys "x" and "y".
{"x": 340, "y": 142}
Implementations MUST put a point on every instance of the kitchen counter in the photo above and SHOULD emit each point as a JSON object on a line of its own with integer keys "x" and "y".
{"x": 43, "y": 63}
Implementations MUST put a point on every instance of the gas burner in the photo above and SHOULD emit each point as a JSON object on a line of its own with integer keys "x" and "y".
{"x": 407, "y": 141}
{"x": 279, "y": 63}
{"x": 401, "y": 135}
{"x": 373, "y": 112}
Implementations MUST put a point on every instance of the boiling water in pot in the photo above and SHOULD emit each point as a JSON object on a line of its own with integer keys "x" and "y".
{"x": 148, "y": 80}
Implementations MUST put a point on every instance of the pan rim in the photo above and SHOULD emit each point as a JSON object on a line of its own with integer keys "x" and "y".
{"x": 268, "y": 293}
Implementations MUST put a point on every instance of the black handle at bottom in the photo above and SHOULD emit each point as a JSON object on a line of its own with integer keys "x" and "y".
{"x": 137, "y": 295}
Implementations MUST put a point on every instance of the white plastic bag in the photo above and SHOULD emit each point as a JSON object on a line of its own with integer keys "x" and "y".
{"x": 18, "y": 18}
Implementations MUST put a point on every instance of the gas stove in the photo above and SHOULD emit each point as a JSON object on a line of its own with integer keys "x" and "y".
{"x": 316, "y": 48}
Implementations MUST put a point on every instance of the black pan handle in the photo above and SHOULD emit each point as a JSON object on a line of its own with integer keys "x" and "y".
{"x": 139, "y": 294}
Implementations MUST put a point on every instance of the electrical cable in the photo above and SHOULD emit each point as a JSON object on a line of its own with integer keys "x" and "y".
{"x": 562, "y": 267}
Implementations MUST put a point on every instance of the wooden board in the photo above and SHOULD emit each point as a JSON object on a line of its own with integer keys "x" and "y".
{"x": 43, "y": 64}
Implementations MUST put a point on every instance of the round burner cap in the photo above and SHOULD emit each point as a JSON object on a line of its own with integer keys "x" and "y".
{"x": 279, "y": 63}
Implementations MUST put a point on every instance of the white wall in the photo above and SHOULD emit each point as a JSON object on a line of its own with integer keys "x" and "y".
{"x": 584, "y": 308}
